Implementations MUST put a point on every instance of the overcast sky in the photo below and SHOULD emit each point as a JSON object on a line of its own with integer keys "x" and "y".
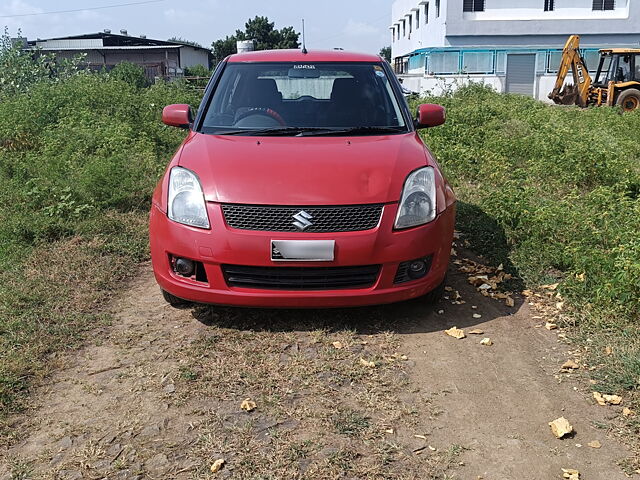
{"x": 360, "y": 25}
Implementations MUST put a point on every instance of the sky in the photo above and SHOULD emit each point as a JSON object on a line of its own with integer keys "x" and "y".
{"x": 358, "y": 25}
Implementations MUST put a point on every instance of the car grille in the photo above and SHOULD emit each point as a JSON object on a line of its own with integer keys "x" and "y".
{"x": 301, "y": 278}
{"x": 346, "y": 218}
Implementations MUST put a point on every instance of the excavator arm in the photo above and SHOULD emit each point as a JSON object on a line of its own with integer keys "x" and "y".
{"x": 578, "y": 93}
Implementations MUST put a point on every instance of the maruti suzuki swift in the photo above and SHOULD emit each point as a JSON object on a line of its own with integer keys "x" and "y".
{"x": 302, "y": 182}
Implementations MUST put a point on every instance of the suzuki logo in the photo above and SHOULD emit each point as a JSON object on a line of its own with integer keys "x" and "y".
{"x": 302, "y": 220}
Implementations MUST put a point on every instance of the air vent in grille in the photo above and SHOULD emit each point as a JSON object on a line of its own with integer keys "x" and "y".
{"x": 301, "y": 278}
{"x": 345, "y": 218}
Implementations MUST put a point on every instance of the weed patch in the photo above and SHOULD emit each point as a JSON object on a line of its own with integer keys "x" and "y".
{"x": 78, "y": 162}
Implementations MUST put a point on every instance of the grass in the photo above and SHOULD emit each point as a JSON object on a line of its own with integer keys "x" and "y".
{"x": 78, "y": 162}
{"x": 321, "y": 413}
{"x": 554, "y": 195}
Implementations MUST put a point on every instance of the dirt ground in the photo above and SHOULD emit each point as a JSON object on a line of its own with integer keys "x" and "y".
{"x": 365, "y": 393}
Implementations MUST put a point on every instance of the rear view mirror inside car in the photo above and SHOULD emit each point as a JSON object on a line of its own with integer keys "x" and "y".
{"x": 303, "y": 71}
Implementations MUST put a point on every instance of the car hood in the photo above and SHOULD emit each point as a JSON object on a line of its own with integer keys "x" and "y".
{"x": 303, "y": 170}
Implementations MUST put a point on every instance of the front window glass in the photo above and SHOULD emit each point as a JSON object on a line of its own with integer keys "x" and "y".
{"x": 604, "y": 73}
{"x": 258, "y": 96}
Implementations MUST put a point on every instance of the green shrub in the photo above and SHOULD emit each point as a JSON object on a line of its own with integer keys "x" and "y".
{"x": 561, "y": 182}
{"x": 130, "y": 73}
{"x": 78, "y": 162}
{"x": 197, "y": 71}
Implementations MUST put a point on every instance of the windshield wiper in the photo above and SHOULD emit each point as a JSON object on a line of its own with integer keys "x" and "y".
{"x": 360, "y": 130}
{"x": 275, "y": 131}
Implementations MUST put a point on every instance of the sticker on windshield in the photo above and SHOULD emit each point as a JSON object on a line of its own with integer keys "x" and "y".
{"x": 304, "y": 67}
{"x": 380, "y": 73}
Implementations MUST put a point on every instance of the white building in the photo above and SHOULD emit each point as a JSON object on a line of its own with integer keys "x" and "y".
{"x": 514, "y": 45}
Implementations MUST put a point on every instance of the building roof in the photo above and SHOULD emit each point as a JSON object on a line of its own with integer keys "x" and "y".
{"x": 143, "y": 47}
{"x": 295, "y": 55}
{"x": 104, "y": 40}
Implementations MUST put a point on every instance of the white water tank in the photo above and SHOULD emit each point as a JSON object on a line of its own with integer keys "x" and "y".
{"x": 245, "y": 46}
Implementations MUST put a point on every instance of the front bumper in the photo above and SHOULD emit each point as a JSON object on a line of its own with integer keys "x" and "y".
{"x": 223, "y": 245}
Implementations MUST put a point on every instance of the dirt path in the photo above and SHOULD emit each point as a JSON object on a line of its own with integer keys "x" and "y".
{"x": 156, "y": 395}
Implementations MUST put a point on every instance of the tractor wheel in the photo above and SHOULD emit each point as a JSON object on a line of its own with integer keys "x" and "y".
{"x": 629, "y": 100}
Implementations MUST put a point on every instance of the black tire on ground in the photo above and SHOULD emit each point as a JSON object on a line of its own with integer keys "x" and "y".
{"x": 173, "y": 300}
{"x": 629, "y": 99}
{"x": 434, "y": 295}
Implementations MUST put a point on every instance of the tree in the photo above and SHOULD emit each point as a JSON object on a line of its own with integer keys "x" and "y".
{"x": 385, "y": 52}
{"x": 184, "y": 42}
{"x": 21, "y": 68}
{"x": 223, "y": 48}
{"x": 263, "y": 32}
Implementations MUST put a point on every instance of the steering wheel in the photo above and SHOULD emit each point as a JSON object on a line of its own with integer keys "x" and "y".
{"x": 267, "y": 112}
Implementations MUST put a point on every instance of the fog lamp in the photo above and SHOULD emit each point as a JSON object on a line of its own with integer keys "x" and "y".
{"x": 417, "y": 269}
{"x": 184, "y": 267}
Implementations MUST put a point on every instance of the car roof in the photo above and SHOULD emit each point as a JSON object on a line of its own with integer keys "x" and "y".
{"x": 296, "y": 55}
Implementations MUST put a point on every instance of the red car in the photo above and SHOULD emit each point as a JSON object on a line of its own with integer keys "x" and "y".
{"x": 302, "y": 183}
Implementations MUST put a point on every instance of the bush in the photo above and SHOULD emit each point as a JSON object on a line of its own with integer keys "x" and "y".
{"x": 129, "y": 73}
{"x": 197, "y": 71}
{"x": 78, "y": 161}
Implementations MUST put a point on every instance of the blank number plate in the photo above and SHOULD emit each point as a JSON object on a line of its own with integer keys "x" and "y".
{"x": 302, "y": 250}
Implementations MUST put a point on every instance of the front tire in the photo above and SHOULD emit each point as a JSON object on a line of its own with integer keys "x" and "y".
{"x": 629, "y": 100}
{"x": 435, "y": 295}
{"x": 174, "y": 301}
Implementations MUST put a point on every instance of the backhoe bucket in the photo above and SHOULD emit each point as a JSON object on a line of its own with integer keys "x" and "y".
{"x": 567, "y": 96}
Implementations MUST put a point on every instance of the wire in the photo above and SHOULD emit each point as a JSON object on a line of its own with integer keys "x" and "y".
{"x": 82, "y": 9}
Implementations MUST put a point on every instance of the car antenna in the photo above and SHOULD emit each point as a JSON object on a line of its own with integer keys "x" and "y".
{"x": 304, "y": 45}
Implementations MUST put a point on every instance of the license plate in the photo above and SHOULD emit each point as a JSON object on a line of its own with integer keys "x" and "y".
{"x": 302, "y": 250}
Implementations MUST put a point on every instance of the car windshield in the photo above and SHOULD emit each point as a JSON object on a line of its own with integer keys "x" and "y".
{"x": 303, "y": 99}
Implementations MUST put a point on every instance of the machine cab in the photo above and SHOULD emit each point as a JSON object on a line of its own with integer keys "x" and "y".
{"x": 618, "y": 66}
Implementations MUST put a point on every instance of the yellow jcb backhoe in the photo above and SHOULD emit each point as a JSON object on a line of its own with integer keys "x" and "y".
{"x": 617, "y": 80}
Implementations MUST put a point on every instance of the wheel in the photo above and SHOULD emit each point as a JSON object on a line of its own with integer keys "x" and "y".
{"x": 173, "y": 300}
{"x": 434, "y": 295}
{"x": 629, "y": 99}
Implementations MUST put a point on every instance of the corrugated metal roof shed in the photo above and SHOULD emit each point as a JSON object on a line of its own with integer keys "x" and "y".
{"x": 69, "y": 43}
{"x": 144, "y": 47}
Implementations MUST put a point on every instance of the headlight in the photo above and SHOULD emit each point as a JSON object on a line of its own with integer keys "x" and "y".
{"x": 418, "y": 202}
{"x": 186, "y": 200}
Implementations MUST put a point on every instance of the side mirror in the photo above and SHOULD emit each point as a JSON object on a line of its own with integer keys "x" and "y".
{"x": 178, "y": 115}
{"x": 430, "y": 115}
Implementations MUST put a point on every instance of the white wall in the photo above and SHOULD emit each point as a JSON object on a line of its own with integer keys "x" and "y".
{"x": 527, "y": 17}
{"x": 534, "y": 10}
{"x": 437, "y": 85}
{"x": 190, "y": 57}
{"x": 428, "y": 35}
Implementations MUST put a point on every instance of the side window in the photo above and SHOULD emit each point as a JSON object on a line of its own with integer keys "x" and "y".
{"x": 473, "y": 5}
{"x": 220, "y": 111}
{"x": 623, "y": 73}
{"x": 604, "y": 4}
{"x": 637, "y": 68}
